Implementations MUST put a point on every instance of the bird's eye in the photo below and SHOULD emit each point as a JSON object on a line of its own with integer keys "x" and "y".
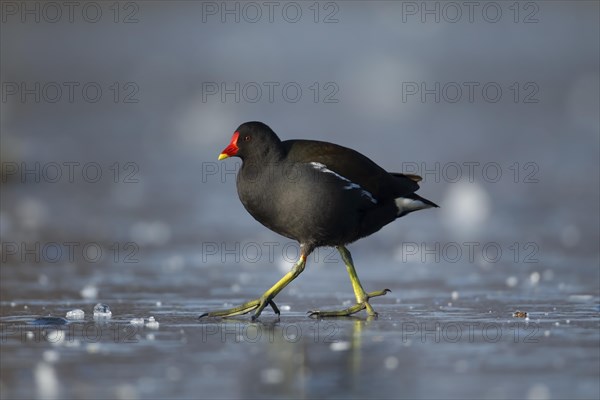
{"x": 247, "y": 138}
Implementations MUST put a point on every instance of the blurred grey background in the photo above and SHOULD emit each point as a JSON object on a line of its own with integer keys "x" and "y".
{"x": 372, "y": 60}
{"x": 506, "y": 91}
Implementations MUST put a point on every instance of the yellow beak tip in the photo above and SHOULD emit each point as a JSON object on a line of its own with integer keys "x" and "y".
{"x": 222, "y": 156}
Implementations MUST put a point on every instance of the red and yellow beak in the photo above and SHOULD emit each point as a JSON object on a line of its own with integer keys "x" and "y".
{"x": 232, "y": 149}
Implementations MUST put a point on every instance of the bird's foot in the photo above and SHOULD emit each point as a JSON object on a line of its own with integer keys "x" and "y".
{"x": 353, "y": 309}
{"x": 257, "y": 304}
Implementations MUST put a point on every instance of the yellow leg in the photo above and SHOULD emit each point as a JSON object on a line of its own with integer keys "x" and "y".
{"x": 267, "y": 297}
{"x": 362, "y": 297}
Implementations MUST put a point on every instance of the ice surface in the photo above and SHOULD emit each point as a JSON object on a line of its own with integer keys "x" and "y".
{"x": 174, "y": 211}
{"x": 50, "y": 321}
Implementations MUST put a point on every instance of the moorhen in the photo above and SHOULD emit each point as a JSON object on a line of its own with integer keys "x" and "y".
{"x": 319, "y": 194}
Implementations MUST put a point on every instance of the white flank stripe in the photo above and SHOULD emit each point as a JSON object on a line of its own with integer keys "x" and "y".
{"x": 351, "y": 185}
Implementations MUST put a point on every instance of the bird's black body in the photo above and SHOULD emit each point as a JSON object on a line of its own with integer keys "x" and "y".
{"x": 320, "y": 194}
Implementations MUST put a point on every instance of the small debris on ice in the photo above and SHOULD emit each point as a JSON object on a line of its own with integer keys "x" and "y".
{"x": 520, "y": 314}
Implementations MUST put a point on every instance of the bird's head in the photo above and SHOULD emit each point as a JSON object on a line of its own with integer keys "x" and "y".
{"x": 252, "y": 139}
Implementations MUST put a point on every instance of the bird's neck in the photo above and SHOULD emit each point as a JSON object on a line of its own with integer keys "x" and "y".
{"x": 266, "y": 160}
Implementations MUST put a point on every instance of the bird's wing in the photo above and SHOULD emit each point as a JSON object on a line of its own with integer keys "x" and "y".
{"x": 353, "y": 166}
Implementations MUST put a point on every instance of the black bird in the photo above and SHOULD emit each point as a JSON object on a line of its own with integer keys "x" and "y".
{"x": 319, "y": 194}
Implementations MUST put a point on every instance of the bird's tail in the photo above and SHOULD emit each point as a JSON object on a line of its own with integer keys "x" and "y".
{"x": 412, "y": 202}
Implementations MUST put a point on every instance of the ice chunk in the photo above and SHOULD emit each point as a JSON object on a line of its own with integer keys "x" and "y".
{"x": 75, "y": 314}
{"x": 152, "y": 323}
{"x": 102, "y": 311}
{"x": 137, "y": 321}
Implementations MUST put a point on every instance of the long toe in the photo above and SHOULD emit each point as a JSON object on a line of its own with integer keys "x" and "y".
{"x": 230, "y": 312}
{"x": 352, "y": 310}
{"x": 339, "y": 313}
{"x": 378, "y": 293}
